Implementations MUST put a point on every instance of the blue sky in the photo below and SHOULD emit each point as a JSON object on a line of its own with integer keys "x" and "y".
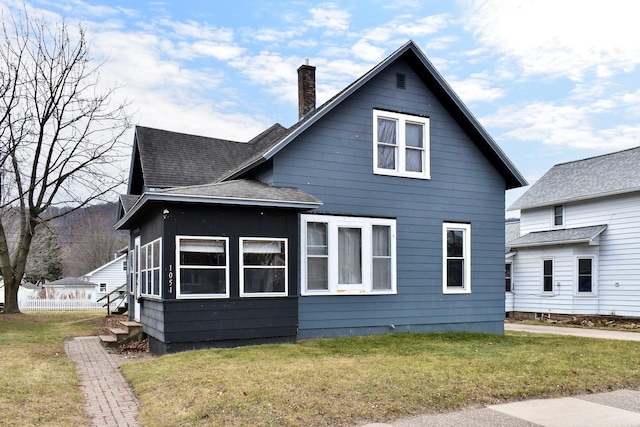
{"x": 551, "y": 81}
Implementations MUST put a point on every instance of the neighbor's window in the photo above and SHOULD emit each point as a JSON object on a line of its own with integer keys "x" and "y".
{"x": 342, "y": 255}
{"x": 263, "y": 267}
{"x": 103, "y": 287}
{"x": 558, "y": 215}
{"x": 585, "y": 275}
{"x": 507, "y": 277}
{"x": 456, "y": 258}
{"x": 202, "y": 267}
{"x": 400, "y": 145}
{"x": 547, "y": 275}
{"x": 150, "y": 268}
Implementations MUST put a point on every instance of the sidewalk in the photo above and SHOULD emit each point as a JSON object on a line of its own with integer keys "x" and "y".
{"x": 109, "y": 400}
{"x": 619, "y": 408}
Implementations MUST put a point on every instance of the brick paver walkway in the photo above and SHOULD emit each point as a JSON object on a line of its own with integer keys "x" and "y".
{"x": 110, "y": 401}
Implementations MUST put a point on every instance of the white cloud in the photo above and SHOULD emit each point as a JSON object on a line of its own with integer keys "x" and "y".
{"x": 562, "y": 125}
{"x": 328, "y": 15}
{"x": 559, "y": 38}
{"x": 476, "y": 88}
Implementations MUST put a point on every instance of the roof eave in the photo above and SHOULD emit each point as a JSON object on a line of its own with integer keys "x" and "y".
{"x": 571, "y": 200}
{"x": 213, "y": 200}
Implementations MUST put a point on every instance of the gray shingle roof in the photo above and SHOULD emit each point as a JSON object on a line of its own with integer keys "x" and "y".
{"x": 173, "y": 159}
{"x": 243, "y": 190}
{"x": 127, "y": 201}
{"x": 614, "y": 173}
{"x": 557, "y": 237}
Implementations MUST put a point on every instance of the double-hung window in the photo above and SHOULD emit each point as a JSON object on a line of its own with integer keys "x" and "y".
{"x": 263, "y": 267}
{"x": 585, "y": 275}
{"x": 547, "y": 276}
{"x": 401, "y": 145}
{"x": 202, "y": 267}
{"x": 558, "y": 216}
{"x": 150, "y": 268}
{"x": 348, "y": 255}
{"x": 456, "y": 245}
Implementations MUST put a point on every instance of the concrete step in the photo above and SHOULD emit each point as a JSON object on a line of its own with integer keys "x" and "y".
{"x": 119, "y": 332}
{"x": 108, "y": 341}
{"x": 131, "y": 327}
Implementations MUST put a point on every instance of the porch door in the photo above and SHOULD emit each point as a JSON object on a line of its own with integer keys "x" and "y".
{"x": 135, "y": 283}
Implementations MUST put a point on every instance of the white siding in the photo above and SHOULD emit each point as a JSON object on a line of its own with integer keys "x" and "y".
{"x": 616, "y": 279}
{"x": 112, "y": 273}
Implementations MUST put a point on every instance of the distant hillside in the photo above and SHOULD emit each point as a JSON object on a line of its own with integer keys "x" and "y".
{"x": 88, "y": 239}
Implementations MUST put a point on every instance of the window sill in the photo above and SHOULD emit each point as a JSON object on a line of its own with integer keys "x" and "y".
{"x": 338, "y": 293}
{"x": 388, "y": 172}
{"x": 449, "y": 291}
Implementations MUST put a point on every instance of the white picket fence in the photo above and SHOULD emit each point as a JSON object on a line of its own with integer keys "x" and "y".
{"x": 41, "y": 304}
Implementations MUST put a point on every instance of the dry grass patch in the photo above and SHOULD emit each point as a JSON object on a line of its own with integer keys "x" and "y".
{"x": 347, "y": 381}
{"x": 39, "y": 385}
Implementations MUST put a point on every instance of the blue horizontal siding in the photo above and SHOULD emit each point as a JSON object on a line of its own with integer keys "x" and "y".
{"x": 333, "y": 160}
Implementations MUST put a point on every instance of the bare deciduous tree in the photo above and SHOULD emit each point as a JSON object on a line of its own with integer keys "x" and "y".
{"x": 60, "y": 132}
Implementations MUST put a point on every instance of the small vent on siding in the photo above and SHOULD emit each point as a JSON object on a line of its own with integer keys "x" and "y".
{"x": 401, "y": 81}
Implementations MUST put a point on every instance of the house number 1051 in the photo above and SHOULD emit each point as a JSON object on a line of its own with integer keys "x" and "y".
{"x": 170, "y": 278}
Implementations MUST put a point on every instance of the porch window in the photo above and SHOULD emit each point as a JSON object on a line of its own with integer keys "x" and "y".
{"x": 203, "y": 267}
{"x": 263, "y": 267}
{"x": 150, "y": 268}
{"x": 456, "y": 257}
{"x": 347, "y": 255}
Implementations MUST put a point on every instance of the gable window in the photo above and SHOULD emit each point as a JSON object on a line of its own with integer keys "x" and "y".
{"x": 585, "y": 275}
{"x": 150, "y": 268}
{"x": 347, "y": 255}
{"x": 202, "y": 267}
{"x": 103, "y": 287}
{"x": 547, "y": 276}
{"x": 263, "y": 267}
{"x": 558, "y": 215}
{"x": 456, "y": 244}
{"x": 401, "y": 145}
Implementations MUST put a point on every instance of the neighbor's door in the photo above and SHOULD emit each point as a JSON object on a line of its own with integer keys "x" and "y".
{"x": 135, "y": 283}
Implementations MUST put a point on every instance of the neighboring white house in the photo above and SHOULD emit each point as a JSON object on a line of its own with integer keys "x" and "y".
{"x": 578, "y": 248}
{"x": 109, "y": 276}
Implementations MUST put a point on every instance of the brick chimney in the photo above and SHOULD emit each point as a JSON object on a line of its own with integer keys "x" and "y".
{"x": 306, "y": 89}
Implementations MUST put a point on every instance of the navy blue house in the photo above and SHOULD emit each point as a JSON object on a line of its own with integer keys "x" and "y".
{"x": 381, "y": 210}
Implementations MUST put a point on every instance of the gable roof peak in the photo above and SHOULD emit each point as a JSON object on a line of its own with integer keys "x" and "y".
{"x": 588, "y": 178}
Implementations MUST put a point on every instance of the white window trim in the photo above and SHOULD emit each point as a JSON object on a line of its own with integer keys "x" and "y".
{"x": 553, "y": 276}
{"x": 400, "y": 169}
{"x": 553, "y": 216}
{"x": 466, "y": 287}
{"x": 285, "y": 268}
{"x": 142, "y": 271}
{"x": 333, "y": 223}
{"x": 179, "y": 294}
{"x": 594, "y": 276}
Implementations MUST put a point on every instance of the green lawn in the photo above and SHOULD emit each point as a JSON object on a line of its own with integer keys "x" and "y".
{"x": 348, "y": 381}
{"x": 38, "y": 385}
{"x": 345, "y": 381}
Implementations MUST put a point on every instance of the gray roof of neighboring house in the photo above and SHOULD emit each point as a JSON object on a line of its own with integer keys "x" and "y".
{"x": 71, "y": 282}
{"x": 512, "y": 230}
{"x": 558, "y": 237}
{"x": 606, "y": 175}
